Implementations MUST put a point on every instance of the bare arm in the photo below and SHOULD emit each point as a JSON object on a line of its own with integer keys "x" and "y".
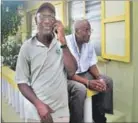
{"x": 42, "y": 109}
{"x": 69, "y": 61}
{"x": 96, "y": 74}
{"x": 80, "y": 79}
{"x": 27, "y": 91}
{"x": 93, "y": 70}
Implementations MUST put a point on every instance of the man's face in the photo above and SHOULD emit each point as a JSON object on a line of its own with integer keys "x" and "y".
{"x": 84, "y": 32}
{"x": 45, "y": 22}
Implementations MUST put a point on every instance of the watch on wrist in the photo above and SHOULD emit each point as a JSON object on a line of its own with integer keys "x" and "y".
{"x": 63, "y": 46}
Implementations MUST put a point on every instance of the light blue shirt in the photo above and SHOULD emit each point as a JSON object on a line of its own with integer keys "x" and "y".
{"x": 86, "y": 57}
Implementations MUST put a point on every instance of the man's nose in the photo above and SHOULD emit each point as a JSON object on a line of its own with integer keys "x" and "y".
{"x": 46, "y": 20}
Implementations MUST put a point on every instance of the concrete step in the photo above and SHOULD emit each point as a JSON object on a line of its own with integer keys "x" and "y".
{"x": 116, "y": 117}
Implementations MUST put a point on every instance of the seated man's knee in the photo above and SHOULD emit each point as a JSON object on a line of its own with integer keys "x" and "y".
{"x": 108, "y": 80}
{"x": 80, "y": 89}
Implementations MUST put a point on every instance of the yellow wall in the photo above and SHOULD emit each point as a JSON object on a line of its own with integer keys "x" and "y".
{"x": 135, "y": 58}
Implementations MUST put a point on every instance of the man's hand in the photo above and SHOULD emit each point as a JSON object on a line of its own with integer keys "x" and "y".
{"x": 60, "y": 31}
{"x": 44, "y": 112}
{"x": 104, "y": 83}
{"x": 97, "y": 85}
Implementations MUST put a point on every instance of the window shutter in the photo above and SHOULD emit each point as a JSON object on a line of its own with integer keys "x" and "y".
{"x": 116, "y": 30}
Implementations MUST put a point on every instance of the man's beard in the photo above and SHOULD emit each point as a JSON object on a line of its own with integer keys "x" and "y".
{"x": 49, "y": 36}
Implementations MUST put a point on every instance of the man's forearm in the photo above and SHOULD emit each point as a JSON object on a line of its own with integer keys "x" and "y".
{"x": 69, "y": 62}
{"x": 28, "y": 93}
{"x": 94, "y": 72}
{"x": 80, "y": 79}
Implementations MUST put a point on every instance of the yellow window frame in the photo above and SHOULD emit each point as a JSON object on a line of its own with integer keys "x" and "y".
{"x": 126, "y": 18}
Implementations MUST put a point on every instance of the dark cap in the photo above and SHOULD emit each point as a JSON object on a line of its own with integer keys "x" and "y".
{"x": 46, "y": 5}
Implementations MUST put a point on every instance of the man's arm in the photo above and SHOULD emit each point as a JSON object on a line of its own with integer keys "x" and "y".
{"x": 93, "y": 70}
{"x": 90, "y": 84}
{"x": 42, "y": 109}
{"x": 69, "y": 61}
{"x": 80, "y": 79}
{"x": 28, "y": 93}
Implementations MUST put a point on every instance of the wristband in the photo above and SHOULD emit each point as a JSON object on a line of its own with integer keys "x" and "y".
{"x": 63, "y": 46}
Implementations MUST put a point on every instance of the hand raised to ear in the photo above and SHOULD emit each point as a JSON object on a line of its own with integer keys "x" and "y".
{"x": 60, "y": 31}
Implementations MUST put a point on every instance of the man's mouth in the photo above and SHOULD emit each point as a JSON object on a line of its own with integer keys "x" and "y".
{"x": 47, "y": 28}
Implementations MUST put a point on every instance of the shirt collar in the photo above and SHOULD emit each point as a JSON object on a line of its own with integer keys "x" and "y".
{"x": 38, "y": 43}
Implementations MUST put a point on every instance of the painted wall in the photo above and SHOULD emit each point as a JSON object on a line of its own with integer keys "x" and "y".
{"x": 124, "y": 74}
{"x": 135, "y": 56}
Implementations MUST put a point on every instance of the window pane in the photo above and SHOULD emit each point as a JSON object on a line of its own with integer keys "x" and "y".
{"x": 114, "y": 8}
{"x": 93, "y": 14}
{"x": 115, "y": 42}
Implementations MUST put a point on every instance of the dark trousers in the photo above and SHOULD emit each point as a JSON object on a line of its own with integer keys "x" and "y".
{"x": 98, "y": 108}
{"x": 100, "y": 102}
{"x": 77, "y": 95}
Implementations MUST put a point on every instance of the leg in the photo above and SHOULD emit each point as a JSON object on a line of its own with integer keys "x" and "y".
{"x": 103, "y": 102}
{"x": 108, "y": 95}
{"x": 77, "y": 95}
{"x": 97, "y": 105}
{"x": 98, "y": 108}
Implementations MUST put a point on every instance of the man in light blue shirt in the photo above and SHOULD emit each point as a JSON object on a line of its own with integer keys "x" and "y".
{"x": 87, "y": 74}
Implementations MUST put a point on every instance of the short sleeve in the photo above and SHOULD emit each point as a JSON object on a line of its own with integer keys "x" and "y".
{"x": 22, "y": 67}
